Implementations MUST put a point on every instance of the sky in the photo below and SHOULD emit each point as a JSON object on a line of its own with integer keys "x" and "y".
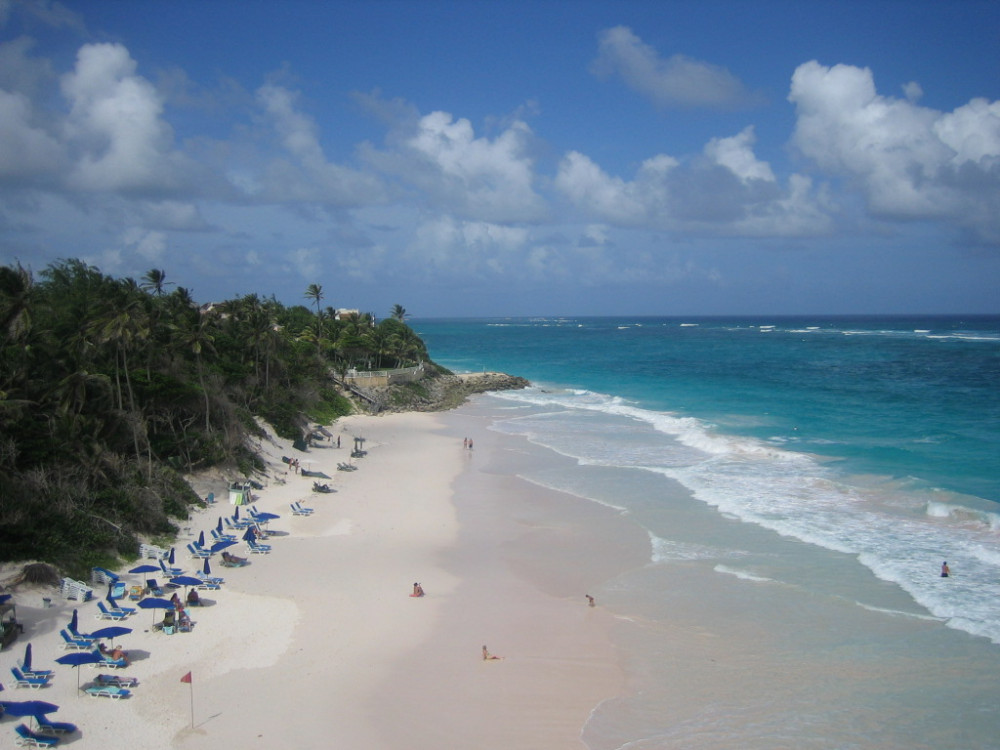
{"x": 473, "y": 158}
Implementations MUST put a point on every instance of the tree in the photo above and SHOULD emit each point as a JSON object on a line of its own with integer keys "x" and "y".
{"x": 155, "y": 279}
{"x": 399, "y": 313}
{"x": 315, "y": 293}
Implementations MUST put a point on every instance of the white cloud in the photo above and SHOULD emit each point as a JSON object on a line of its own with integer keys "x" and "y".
{"x": 675, "y": 81}
{"x": 453, "y": 170}
{"x": 307, "y": 175}
{"x": 466, "y": 248}
{"x": 728, "y": 192}
{"x": 28, "y": 151}
{"x": 910, "y": 162}
{"x": 736, "y": 154}
{"x": 115, "y": 124}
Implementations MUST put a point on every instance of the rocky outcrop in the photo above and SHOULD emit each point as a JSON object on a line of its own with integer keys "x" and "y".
{"x": 438, "y": 390}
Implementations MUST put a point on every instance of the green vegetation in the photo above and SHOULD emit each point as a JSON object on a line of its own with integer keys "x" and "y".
{"x": 112, "y": 389}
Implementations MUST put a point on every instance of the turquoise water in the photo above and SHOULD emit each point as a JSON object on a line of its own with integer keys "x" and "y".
{"x": 834, "y": 464}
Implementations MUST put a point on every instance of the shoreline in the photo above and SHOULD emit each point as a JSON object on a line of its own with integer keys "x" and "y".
{"x": 320, "y": 639}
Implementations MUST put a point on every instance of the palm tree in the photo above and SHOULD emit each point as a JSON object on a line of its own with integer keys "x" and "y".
{"x": 315, "y": 293}
{"x": 399, "y": 313}
{"x": 196, "y": 338}
{"x": 155, "y": 279}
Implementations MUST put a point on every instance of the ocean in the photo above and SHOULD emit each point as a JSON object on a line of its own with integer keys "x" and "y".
{"x": 831, "y": 466}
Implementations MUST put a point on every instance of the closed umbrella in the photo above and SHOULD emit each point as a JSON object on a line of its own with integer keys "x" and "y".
{"x": 26, "y": 664}
{"x": 206, "y": 569}
{"x": 201, "y": 538}
{"x": 170, "y": 557}
{"x": 73, "y": 622}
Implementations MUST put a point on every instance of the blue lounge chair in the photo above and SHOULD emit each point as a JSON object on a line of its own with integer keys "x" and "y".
{"x": 299, "y": 510}
{"x": 114, "y": 680}
{"x": 170, "y": 571}
{"x": 114, "y": 606}
{"x": 258, "y": 549}
{"x": 50, "y": 728}
{"x": 108, "y": 614}
{"x": 198, "y": 553}
{"x": 27, "y": 738}
{"x": 75, "y": 643}
{"x": 23, "y": 680}
{"x": 154, "y": 587}
{"x": 47, "y": 673}
{"x": 107, "y": 661}
{"x": 108, "y": 691}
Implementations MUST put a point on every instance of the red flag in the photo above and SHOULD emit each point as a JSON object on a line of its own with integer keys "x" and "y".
{"x": 186, "y": 678}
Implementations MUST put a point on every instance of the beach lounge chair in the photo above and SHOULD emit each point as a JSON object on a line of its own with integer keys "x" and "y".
{"x": 108, "y": 614}
{"x": 135, "y": 593}
{"x": 170, "y": 570}
{"x": 108, "y": 691}
{"x": 258, "y": 549}
{"x": 114, "y": 680}
{"x": 27, "y": 738}
{"x": 220, "y": 537}
{"x": 22, "y": 680}
{"x": 53, "y": 728}
{"x": 198, "y": 553}
{"x": 114, "y": 606}
{"x": 153, "y": 587}
{"x": 76, "y": 643}
{"x": 107, "y": 661}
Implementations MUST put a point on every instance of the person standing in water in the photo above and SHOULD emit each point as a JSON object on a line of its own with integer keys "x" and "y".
{"x": 945, "y": 570}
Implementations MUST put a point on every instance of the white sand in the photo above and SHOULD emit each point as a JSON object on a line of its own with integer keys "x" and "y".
{"x": 319, "y": 644}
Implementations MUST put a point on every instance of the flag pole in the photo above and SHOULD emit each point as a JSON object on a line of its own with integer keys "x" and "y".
{"x": 187, "y": 678}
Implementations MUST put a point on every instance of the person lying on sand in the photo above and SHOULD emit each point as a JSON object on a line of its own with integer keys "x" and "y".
{"x": 487, "y": 656}
{"x": 418, "y": 590}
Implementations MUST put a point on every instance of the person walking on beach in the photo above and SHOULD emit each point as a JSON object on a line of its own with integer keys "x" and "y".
{"x": 590, "y": 599}
{"x": 945, "y": 570}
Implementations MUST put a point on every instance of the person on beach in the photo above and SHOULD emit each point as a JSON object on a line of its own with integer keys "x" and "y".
{"x": 487, "y": 656}
{"x": 418, "y": 590}
{"x": 193, "y": 599}
{"x": 176, "y": 601}
{"x": 945, "y": 570}
{"x": 465, "y": 443}
{"x": 470, "y": 444}
{"x": 590, "y": 599}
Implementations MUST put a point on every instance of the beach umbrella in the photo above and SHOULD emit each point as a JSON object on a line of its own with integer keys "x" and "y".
{"x": 112, "y": 631}
{"x": 265, "y": 516}
{"x": 186, "y": 581}
{"x": 170, "y": 557}
{"x": 28, "y": 708}
{"x": 218, "y": 526}
{"x": 154, "y": 603}
{"x": 77, "y": 658}
{"x": 145, "y": 569}
{"x": 26, "y": 664}
{"x": 206, "y": 569}
{"x": 236, "y": 515}
{"x": 221, "y": 545}
{"x": 73, "y": 622}
{"x": 201, "y": 538}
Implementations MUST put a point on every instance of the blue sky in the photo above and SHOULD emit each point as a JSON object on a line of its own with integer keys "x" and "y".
{"x": 513, "y": 158}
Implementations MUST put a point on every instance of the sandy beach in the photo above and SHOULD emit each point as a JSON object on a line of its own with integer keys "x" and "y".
{"x": 319, "y": 643}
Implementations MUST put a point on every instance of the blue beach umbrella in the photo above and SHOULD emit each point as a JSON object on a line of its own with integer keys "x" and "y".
{"x": 76, "y": 659}
{"x": 26, "y": 664}
{"x": 218, "y": 526}
{"x": 236, "y": 515}
{"x": 73, "y": 622}
{"x": 170, "y": 557}
{"x": 28, "y": 708}
{"x": 112, "y": 631}
{"x": 145, "y": 569}
{"x": 221, "y": 545}
{"x": 201, "y": 538}
{"x": 206, "y": 569}
{"x": 154, "y": 603}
